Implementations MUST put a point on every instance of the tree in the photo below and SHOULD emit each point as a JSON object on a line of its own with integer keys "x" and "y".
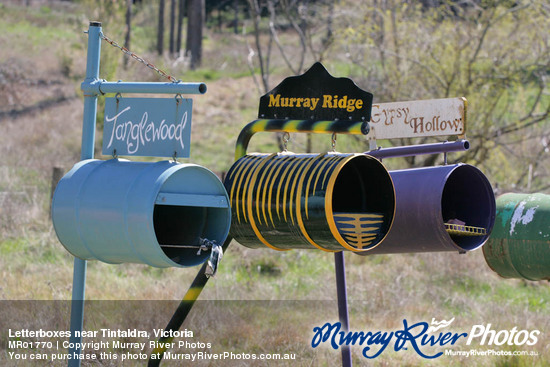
{"x": 172, "y": 39}
{"x": 195, "y": 24}
{"x": 497, "y": 56}
{"x": 160, "y": 29}
{"x": 310, "y": 22}
{"x": 127, "y": 38}
{"x": 181, "y": 13}
{"x": 302, "y": 20}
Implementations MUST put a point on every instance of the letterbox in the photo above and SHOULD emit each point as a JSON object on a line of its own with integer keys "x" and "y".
{"x": 442, "y": 208}
{"x": 157, "y": 213}
{"x": 329, "y": 201}
{"x": 519, "y": 246}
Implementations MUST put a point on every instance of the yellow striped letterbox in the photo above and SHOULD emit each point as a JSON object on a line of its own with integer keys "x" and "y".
{"x": 329, "y": 201}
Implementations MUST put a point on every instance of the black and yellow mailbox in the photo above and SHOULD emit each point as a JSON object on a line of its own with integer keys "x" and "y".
{"x": 328, "y": 201}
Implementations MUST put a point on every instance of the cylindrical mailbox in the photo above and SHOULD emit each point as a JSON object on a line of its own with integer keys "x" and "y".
{"x": 519, "y": 246}
{"x": 444, "y": 208}
{"x": 158, "y": 213}
{"x": 330, "y": 201}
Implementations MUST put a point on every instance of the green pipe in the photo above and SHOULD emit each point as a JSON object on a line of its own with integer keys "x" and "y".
{"x": 519, "y": 246}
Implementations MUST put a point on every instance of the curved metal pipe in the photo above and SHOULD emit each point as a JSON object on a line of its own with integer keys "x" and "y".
{"x": 302, "y": 126}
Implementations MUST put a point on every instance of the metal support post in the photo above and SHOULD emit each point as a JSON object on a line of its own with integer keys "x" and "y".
{"x": 340, "y": 268}
{"x": 87, "y": 152}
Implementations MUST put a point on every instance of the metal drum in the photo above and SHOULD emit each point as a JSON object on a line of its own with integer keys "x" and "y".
{"x": 444, "y": 208}
{"x": 519, "y": 246}
{"x": 158, "y": 213}
{"x": 329, "y": 201}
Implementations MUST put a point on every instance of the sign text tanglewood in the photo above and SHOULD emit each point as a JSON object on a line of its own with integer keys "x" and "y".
{"x": 149, "y": 127}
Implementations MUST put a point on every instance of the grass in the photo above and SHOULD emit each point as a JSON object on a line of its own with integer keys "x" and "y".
{"x": 260, "y": 301}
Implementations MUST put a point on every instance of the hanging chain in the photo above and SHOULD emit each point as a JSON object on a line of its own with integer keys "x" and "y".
{"x": 286, "y": 138}
{"x": 333, "y": 143}
{"x": 140, "y": 59}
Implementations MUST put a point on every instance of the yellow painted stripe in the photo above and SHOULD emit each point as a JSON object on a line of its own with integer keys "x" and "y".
{"x": 240, "y": 187}
{"x": 357, "y": 236}
{"x": 259, "y": 186}
{"x": 236, "y": 185}
{"x": 281, "y": 162}
{"x": 259, "y": 126}
{"x": 248, "y": 187}
{"x": 233, "y": 171}
{"x": 359, "y": 215}
{"x": 329, "y": 170}
{"x": 317, "y": 168}
{"x": 298, "y": 176}
{"x": 321, "y": 126}
{"x": 236, "y": 171}
{"x": 360, "y": 239}
{"x": 299, "y": 218}
{"x": 363, "y": 230}
{"x": 259, "y": 189}
{"x": 319, "y": 173}
{"x": 269, "y": 169}
{"x": 291, "y": 178}
{"x": 291, "y": 162}
{"x": 192, "y": 294}
{"x": 291, "y": 126}
{"x": 249, "y": 206}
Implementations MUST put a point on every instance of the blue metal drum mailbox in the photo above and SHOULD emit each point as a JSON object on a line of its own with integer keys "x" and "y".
{"x": 159, "y": 214}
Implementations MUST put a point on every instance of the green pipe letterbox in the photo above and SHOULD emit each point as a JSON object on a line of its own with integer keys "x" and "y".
{"x": 519, "y": 246}
{"x": 158, "y": 214}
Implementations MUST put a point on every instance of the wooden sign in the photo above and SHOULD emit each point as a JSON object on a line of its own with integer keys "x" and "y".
{"x": 316, "y": 95}
{"x": 147, "y": 127}
{"x": 434, "y": 117}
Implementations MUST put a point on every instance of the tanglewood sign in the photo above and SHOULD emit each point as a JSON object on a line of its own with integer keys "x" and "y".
{"x": 147, "y": 127}
{"x": 434, "y": 117}
{"x": 316, "y": 95}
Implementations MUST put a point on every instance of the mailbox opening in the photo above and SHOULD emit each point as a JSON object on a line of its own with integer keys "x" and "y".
{"x": 468, "y": 207}
{"x": 180, "y": 229}
{"x": 363, "y": 202}
{"x": 182, "y": 221}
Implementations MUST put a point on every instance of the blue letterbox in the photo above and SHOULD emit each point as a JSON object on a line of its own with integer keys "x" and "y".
{"x": 159, "y": 214}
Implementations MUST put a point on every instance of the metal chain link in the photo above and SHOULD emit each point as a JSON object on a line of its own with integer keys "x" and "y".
{"x": 140, "y": 59}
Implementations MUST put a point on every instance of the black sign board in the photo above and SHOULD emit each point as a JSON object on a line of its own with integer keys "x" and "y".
{"x": 316, "y": 95}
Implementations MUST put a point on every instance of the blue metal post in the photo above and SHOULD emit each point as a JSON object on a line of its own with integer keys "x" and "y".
{"x": 342, "y": 294}
{"x": 87, "y": 152}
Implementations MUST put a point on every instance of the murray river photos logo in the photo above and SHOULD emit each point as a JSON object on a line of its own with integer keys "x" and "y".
{"x": 420, "y": 336}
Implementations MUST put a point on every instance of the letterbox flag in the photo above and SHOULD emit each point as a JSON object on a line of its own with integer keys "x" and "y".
{"x": 316, "y": 95}
{"x": 147, "y": 127}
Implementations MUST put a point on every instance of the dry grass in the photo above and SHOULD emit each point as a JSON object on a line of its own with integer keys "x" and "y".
{"x": 285, "y": 294}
